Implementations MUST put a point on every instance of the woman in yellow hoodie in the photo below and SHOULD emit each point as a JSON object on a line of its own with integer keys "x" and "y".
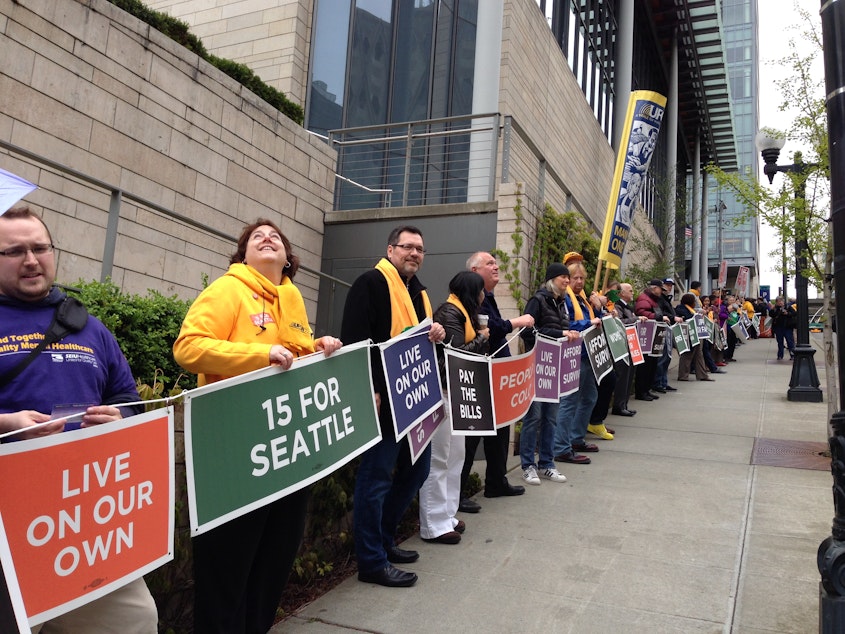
{"x": 250, "y": 318}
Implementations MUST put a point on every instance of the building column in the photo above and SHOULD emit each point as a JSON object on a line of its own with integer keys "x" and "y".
{"x": 696, "y": 202}
{"x": 485, "y": 98}
{"x": 704, "y": 268}
{"x": 671, "y": 124}
{"x": 624, "y": 67}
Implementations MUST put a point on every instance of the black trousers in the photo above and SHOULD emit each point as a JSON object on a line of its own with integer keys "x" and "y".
{"x": 496, "y": 453}
{"x": 242, "y": 566}
{"x": 624, "y": 379}
{"x": 644, "y": 375}
{"x": 602, "y": 406}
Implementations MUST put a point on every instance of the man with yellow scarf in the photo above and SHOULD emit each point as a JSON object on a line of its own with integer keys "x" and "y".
{"x": 382, "y": 303}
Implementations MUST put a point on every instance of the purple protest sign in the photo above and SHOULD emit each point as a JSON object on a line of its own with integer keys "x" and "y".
{"x": 646, "y": 331}
{"x": 570, "y": 366}
{"x": 546, "y": 367}
{"x": 413, "y": 380}
{"x": 421, "y": 434}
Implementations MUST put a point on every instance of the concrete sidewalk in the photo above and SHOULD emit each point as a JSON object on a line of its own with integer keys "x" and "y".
{"x": 670, "y": 529}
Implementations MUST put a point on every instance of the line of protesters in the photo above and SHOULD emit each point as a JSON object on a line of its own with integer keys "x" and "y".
{"x": 254, "y": 316}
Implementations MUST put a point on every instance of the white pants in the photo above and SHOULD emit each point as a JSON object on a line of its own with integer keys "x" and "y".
{"x": 129, "y": 610}
{"x": 440, "y": 494}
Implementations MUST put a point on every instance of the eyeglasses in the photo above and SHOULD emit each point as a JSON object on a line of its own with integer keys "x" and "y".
{"x": 410, "y": 247}
{"x": 20, "y": 252}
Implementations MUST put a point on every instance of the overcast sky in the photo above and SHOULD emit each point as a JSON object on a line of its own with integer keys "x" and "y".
{"x": 776, "y": 21}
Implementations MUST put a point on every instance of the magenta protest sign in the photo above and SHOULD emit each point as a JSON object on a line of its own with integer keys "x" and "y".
{"x": 570, "y": 366}
{"x": 546, "y": 368}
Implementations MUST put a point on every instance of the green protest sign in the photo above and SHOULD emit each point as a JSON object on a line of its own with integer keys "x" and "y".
{"x": 257, "y": 437}
{"x": 617, "y": 340}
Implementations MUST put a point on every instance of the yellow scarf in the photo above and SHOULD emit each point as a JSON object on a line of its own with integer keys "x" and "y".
{"x": 402, "y": 313}
{"x": 577, "y": 308}
{"x": 294, "y": 330}
{"x": 469, "y": 331}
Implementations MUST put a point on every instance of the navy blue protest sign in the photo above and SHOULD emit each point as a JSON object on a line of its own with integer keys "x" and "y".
{"x": 703, "y": 326}
{"x": 412, "y": 377}
{"x": 598, "y": 352}
{"x": 470, "y": 389}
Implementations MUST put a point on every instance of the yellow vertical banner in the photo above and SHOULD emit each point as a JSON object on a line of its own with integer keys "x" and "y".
{"x": 636, "y": 147}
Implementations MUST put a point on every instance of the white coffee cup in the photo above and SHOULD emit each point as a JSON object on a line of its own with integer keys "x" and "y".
{"x": 482, "y": 321}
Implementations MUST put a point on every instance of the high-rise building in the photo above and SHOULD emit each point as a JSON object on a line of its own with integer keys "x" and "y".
{"x": 468, "y": 118}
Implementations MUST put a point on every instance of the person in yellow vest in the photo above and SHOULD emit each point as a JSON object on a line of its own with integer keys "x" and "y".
{"x": 250, "y": 318}
{"x": 382, "y": 303}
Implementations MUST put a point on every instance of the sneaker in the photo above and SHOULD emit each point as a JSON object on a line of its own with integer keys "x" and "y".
{"x": 530, "y": 476}
{"x": 600, "y": 431}
{"x": 553, "y": 474}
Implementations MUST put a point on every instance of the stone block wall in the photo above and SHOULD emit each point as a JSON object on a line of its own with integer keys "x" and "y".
{"x": 272, "y": 37}
{"x": 90, "y": 87}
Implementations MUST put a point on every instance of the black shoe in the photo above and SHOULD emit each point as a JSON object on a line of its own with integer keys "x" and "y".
{"x": 468, "y": 506}
{"x": 389, "y": 577}
{"x": 669, "y": 388}
{"x": 586, "y": 447}
{"x": 623, "y": 412}
{"x": 396, "y": 555}
{"x": 653, "y": 396}
{"x": 506, "y": 490}
{"x": 662, "y": 390}
{"x": 644, "y": 397}
{"x": 573, "y": 458}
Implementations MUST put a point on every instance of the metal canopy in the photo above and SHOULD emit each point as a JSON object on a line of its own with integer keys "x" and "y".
{"x": 704, "y": 108}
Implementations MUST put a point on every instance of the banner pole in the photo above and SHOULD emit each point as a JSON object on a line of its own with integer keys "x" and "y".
{"x": 598, "y": 273}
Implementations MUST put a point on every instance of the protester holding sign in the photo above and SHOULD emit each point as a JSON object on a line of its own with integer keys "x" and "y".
{"x": 694, "y": 359}
{"x": 440, "y": 494}
{"x": 495, "y": 447}
{"x": 624, "y": 370}
{"x": 381, "y": 304}
{"x": 648, "y": 306}
{"x": 85, "y": 366}
{"x": 250, "y": 318}
{"x": 575, "y": 409}
{"x": 539, "y": 426}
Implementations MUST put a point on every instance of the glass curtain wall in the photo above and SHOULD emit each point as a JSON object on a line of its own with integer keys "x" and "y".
{"x": 392, "y": 61}
{"x": 739, "y": 242}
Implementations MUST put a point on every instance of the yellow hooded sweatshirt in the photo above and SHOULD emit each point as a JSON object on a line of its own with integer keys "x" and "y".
{"x": 232, "y": 325}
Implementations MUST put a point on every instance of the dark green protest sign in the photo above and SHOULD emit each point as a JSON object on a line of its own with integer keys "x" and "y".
{"x": 255, "y": 438}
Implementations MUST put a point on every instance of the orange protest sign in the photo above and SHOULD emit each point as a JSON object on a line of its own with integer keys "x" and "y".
{"x": 634, "y": 345}
{"x": 87, "y": 511}
{"x": 513, "y": 387}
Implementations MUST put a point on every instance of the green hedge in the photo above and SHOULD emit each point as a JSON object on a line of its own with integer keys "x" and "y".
{"x": 145, "y": 328}
{"x": 179, "y": 32}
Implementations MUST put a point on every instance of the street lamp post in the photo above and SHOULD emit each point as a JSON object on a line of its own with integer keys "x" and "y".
{"x": 804, "y": 383}
{"x": 831, "y": 554}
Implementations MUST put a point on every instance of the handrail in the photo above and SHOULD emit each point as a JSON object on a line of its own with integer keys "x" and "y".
{"x": 118, "y": 193}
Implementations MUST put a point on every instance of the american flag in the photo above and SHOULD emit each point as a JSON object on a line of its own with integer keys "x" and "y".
{"x": 688, "y": 231}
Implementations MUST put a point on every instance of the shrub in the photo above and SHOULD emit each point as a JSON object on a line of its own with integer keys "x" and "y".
{"x": 179, "y": 32}
{"x": 145, "y": 328}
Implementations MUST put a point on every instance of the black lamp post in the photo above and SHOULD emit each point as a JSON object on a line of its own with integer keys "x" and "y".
{"x": 804, "y": 384}
{"x": 831, "y": 554}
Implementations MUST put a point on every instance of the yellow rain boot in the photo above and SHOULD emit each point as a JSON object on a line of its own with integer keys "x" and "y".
{"x": 600, "y": 431}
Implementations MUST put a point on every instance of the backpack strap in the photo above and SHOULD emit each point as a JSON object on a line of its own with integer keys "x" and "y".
{"x": 70, "y": 316}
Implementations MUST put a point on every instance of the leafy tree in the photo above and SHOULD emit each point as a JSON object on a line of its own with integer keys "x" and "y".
{"x": 803, "y": 193}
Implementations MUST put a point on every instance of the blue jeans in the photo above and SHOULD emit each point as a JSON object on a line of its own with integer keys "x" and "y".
{"x": 573, "y": 414}
{"x": 661, "y": 377}
{"x": 538, "y": 422}
{"x": 382, "y": 497}
{"x": 782, "y": 334}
